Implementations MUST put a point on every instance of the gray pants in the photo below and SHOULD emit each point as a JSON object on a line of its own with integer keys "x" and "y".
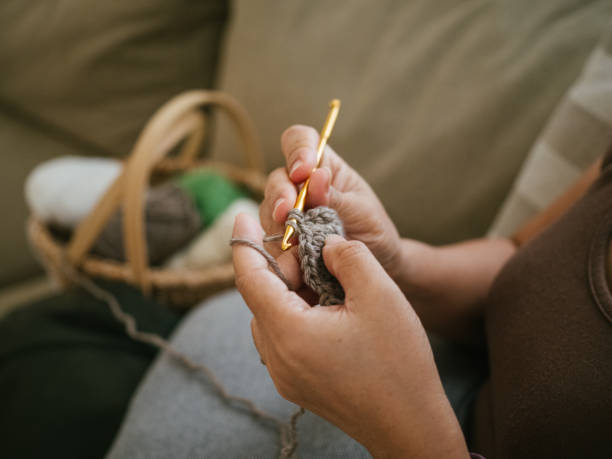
{"x": 177, "y": 414}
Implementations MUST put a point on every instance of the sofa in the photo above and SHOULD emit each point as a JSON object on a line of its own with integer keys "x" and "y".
{"x": 445, "y": 104}
{"x": 444, "y": 90}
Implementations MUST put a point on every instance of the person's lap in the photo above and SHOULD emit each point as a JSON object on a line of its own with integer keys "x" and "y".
{"x": 175, "y": 413}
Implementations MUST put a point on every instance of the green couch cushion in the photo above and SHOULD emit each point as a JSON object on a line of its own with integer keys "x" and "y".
{"x": 68, "y": 371}
{"x": 442, "y": 100}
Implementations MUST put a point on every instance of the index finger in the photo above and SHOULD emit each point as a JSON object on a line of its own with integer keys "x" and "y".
{"x": 264, "y": 292}
{"x": 299, "y": 146}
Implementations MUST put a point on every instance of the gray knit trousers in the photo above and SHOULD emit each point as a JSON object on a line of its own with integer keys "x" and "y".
{"x": 174, "y": 414}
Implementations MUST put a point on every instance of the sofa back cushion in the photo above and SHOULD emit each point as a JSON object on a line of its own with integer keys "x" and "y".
{"x": 441, "y": 100}
{"x": 82, "y": 77}
{"x": 100, "y": 69}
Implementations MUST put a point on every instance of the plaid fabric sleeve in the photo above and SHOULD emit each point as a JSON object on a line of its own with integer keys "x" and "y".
{"x": 579, "y": 132}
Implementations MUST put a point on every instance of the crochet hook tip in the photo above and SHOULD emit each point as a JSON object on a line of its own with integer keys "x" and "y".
{"x": 286, "y": 243}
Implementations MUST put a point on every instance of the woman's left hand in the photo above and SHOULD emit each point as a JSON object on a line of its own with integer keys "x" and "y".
{"x": 366, "y": 365}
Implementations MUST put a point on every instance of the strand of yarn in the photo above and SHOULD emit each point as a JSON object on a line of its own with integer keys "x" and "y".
{"x": 269, "y": 258}
{"x": 288, "y": 431}
{"x": 312, "y": 228}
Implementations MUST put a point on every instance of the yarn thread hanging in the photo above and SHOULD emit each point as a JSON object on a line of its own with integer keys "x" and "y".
{"x": 312, "y": 228}
{"x": 287, "y": 430}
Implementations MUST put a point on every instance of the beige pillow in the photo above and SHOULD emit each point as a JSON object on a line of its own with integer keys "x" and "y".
{"x": 578, "y": 132}
{"x": 441, "y": 100}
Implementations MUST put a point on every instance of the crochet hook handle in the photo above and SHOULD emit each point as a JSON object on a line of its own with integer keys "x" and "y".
{"x": 332, "y": 115}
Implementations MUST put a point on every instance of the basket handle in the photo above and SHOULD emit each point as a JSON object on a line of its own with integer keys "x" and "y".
{"x": 170, "y": 124}
{"x": 87, "y": 231}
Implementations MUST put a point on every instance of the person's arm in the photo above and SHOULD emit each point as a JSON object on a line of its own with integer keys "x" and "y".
{"x": 447, "y": 285}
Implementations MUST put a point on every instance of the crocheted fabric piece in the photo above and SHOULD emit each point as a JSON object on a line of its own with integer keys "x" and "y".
{"x": 312, "y": 228}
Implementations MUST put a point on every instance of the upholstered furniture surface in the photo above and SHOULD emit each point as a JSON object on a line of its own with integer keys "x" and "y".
{"x": 442, "y": 100}
{"x": 82, "y": 77}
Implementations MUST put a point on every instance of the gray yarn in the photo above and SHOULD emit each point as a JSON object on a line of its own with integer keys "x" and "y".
{"x": 312, "y": 228}
{"x": 269, "y": 258}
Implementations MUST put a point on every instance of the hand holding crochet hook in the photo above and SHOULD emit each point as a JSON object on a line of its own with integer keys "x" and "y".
{"x": 326, "y": 359}
{"x": 331, "y": 183}
{"x": 446, "y": 285}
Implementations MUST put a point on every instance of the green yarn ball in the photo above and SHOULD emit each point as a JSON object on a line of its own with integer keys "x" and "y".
{"x": 211, "y": 192}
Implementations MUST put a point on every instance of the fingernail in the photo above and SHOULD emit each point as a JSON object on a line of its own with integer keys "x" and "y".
{"x": 276, "y": 206}
{"x": 333, "y": 239}
{"x": 296, "y": 166}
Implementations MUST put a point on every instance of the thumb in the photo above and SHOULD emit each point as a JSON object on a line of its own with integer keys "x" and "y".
{"x": 362, "y": 277}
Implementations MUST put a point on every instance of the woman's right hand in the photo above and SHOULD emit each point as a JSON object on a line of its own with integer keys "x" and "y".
{"x": 334, "y": 184}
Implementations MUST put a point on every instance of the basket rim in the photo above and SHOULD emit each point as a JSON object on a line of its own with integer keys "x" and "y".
{"x": 93, "y": 265}
{"x": 53, "y": 251}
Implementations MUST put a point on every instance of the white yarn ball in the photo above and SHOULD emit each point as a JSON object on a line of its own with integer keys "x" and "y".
{"x": 212, "y": 246}
{"x": 65, "y": 190}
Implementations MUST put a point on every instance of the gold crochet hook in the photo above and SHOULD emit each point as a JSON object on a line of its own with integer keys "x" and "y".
{"x": 334, "y": 108}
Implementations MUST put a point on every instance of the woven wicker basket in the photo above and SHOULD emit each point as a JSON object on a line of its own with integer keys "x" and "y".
{"x": 179, "y": 120}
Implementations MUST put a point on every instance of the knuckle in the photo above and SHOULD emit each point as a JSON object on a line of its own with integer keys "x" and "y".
{"x": 267, "y": 223}
{"x": 337, "y": 202}
{"x": 278, "y": 173}
{"x": 243, "y": 280}
{"x": 301, "y": 150}
{"x": 352, "y": 251}
{"x": 296, "y": 137}
{"x": 289, "y": 133}
{"x": 275, "y": 182}
{"x": 308, "y": 131}
{"x": 297, "y": 131}
{"x": 269, "y": 189}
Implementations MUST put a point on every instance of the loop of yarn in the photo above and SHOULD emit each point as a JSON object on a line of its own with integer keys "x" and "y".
{"x": 312, "y": 228}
